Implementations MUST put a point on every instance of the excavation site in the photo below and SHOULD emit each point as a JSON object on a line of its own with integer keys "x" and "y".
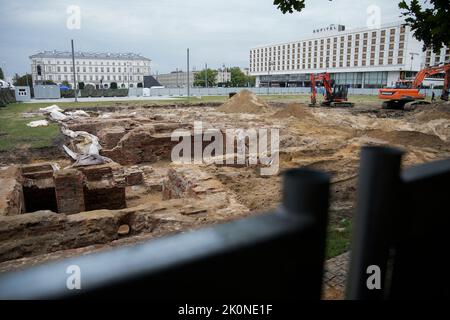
{"x": 110, "y": 179}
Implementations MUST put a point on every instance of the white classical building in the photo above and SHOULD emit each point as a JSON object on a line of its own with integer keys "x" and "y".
{"x": 98, "y": 69}
{"x": 360, "y": 58}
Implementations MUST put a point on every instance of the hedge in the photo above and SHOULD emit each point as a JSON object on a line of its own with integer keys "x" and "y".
{"x": 104, "y": 93}
{"x": 7, "y": 96}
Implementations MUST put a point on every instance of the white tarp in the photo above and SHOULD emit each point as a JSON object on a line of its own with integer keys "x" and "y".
{"x": 78, "y": 113}
{"x": 50, "y": 109}
{"x": 38, "y": 123}
{"x": 87, "y": 148}
{"x": 86, "y": 143}
{"x": 58, "y": 116}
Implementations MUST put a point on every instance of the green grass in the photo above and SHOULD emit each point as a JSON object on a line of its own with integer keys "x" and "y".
{"x": 338, "y": 238}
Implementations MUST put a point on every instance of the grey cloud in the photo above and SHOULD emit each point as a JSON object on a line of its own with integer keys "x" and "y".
{"x": 217, "y": 31}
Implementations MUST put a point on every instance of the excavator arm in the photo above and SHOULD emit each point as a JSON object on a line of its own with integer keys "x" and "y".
{"x": 427, "y": 72}
{"x": 338, "y": 100}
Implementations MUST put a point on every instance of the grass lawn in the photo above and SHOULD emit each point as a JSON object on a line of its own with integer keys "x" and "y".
{"x": 338, "y": 238}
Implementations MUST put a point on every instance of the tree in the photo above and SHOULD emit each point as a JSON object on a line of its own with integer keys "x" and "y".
{"x": 290, "y": 5}
{"x": 67, "y": 84}
{"x": 430, "y": 23}
{"x": 2, "y": 76}
{"x": 24, "y": 80}
{"x": 113, "y": 85}
{"x": 240, "y": 79}
{"x": 81, "y": 85}
{"x": 199, "y": 78}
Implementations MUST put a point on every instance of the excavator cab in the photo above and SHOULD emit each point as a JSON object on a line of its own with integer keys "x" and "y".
{"x": 406, "y": 95}
{"x": 335, "y": 95}
{"x": 340, "y": 92}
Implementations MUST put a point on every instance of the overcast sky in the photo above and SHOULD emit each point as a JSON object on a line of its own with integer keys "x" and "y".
{"x": 217, "y": 31}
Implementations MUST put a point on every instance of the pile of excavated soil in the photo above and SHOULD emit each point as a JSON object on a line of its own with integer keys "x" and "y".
{"x": 244, "y": 102}
{"x": 439, "y": 111}
{"x": 408, "y": 138}
{"x": 294, "y": 110}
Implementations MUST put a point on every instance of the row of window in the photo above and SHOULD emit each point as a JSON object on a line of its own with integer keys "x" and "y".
{"x": 335, "y": 40}
{"x": 94, "y": 69}
{"x": 390, "y": 60}
{"x": 351, "y": 79}
{"x": 303, "y": 55}
{"x": 94, "y": 78}
{"x": 97, "y": 62}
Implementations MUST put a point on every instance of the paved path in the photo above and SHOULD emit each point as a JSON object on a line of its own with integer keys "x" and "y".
{"x": 335, "y": 277}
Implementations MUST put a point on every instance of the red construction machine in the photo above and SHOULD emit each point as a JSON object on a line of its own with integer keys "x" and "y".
{"x": 406, "y": 94}
{"x": 335, "y": 95}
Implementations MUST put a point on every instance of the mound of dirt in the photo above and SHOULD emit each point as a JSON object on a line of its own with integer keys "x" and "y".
{"x": 294, "y": 110}
{"x": 408, "y": 138}
{"x": 439, "y": 111}
{"x": 244, "y": 102}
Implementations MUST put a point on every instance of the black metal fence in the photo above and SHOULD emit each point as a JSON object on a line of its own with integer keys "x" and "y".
{"x": 400, "y": 226}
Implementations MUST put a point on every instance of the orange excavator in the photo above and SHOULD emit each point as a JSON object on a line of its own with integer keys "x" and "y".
{"x": 335, "y": 95}
{"x": 406, "y": 94}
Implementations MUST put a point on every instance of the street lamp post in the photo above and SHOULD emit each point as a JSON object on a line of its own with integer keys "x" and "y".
{"x": 412, "y": 59}
{"x": 270, "y": 78}
{"x": 74, "y": 73}
{"x": 188, "y": 84}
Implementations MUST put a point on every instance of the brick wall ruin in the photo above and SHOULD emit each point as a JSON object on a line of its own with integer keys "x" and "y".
{"x": 201, "y": 201}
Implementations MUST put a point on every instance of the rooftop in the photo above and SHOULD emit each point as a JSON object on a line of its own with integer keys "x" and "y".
{"x": 88, "y": 55}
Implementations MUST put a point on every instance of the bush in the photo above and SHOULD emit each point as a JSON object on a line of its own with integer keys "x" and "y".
{"x": 68, "y": 93}
{"x": 113, "y": 85}
{"x": 81, "y": 85}
{"x": 95, "y": 93}
{"x": 139, "y": 85}
{"x": 7, "y": 96}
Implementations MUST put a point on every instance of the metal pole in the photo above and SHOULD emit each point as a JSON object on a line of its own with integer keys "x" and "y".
{"x": 74, "y": 73}
{"x": 188, "y": 89}
{"x": 206, "y": 75}
{"x": 378, "y": 192}
{"x": 306, "y": 194}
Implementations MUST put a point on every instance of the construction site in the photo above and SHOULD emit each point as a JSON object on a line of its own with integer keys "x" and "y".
{"x": 109, "y": 179}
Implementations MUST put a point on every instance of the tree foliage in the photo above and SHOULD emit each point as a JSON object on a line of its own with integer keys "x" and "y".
{"x": 22, "y": 80}
{"x": 289, "y": 5}
{"x": 67, "y": 84}
{"x": 199, "y": 78}
{"x": 240, "y": 79}
{"x": 113, "y": 85}
{"x": 429, "y": 21}
{"x": 430, "y": 24}
{"x": 2, "y": 76}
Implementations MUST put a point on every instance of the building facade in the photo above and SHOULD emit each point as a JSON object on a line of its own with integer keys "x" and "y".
{"x": 360, "y": 58}
{"x": 98, "y": 69}
{"x": 178, "y": 79}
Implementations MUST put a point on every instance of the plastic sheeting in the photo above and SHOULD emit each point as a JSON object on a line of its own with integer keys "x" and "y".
{"x": 86, "y": 143}
{"x": 50, "y": 109}
{"x": 38, "y": 123}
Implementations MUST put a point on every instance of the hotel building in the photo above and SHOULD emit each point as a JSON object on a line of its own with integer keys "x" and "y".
{"x": 359, "y": 58}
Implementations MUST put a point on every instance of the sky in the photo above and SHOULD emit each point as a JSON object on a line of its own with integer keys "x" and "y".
{"x": 218, "y": 32}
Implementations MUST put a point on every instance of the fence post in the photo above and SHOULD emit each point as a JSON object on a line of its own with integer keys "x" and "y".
{"x": 378, "y": 192}
{"x": 306, "y": 193}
